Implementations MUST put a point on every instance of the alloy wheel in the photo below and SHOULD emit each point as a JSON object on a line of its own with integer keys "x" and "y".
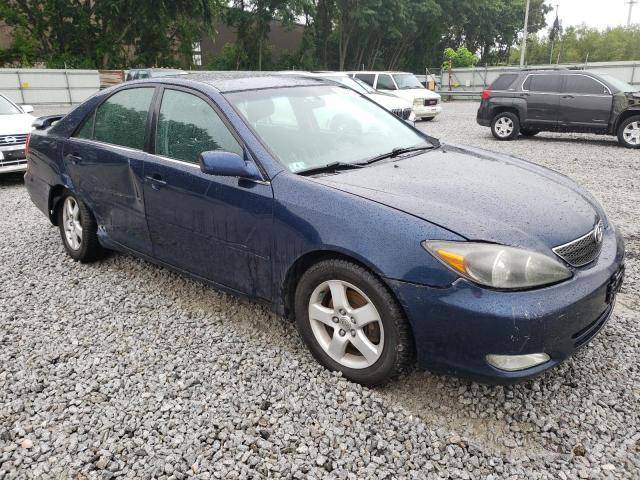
{"x": 346, "y": 324}
{"x": 504, "y": 127}
{"x": 631, "y": 133}
{"x": 72, "y": 223}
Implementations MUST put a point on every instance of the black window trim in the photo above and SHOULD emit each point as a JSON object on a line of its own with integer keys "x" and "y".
{"x": 153, "y": 126}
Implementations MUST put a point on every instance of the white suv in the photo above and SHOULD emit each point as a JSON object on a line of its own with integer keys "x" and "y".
{"x": 15, "y": 127}
{"x": 426, "y": 104}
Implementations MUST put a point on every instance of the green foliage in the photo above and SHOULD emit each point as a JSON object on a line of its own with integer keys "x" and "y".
{"x": 576, "y": 43}
{"x": 461, "y": 57}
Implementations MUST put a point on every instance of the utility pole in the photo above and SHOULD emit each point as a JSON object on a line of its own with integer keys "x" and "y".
{"x": 523, "y": 49}
{"x": 631, "y": 3}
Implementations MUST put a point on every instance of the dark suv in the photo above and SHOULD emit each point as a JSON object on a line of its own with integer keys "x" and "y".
{"x": 529, "y": 102}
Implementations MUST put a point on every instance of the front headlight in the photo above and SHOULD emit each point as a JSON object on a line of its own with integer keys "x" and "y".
{"x": 498, "y": 266}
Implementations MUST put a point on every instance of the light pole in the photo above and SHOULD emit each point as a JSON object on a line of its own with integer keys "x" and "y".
{"x": 631, "y": 3}
{"x": 523, "y": 49}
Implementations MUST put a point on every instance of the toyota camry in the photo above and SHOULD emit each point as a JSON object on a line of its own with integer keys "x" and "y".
{"x": 387, "y": 247}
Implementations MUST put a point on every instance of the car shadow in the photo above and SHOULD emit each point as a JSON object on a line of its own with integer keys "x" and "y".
{"x": 571, "y": 140}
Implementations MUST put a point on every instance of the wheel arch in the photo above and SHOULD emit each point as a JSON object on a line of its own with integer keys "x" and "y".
{"x": 307, "y": 260}
{"x": 630, "y": 112}
{"x": 56, "y": 193}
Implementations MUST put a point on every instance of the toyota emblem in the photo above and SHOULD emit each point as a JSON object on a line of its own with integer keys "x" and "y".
{"x": 598, "y": 233}
{"x": 10, "y": 139}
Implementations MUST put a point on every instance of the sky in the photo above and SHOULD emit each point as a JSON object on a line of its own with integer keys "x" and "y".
{"x": 595, "y": 13}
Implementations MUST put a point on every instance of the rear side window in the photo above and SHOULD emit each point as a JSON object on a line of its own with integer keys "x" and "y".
{"x": 543, "y": 83}
{"x": 368, "y": 78}
{"x": 122, "y": 119}
{"x": 385, "y": 82}
{"x": 503, "y": 82}
{"x": 189, "y": 126}
{"x": 584, "y": 85}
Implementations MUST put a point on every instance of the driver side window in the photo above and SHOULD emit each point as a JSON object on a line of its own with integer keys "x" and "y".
{"x": 188, "y": 126}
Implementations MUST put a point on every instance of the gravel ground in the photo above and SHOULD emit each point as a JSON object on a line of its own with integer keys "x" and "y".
{"x": 124, "y": 369}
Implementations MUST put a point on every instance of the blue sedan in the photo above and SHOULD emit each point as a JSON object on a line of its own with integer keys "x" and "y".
{"x": 387, "y": 247}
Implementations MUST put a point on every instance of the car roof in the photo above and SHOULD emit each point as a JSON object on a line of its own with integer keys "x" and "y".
{"x": 373, "y": 72}
{"x": 226, "y": 82}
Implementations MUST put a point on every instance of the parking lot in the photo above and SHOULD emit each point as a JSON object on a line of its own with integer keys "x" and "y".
{"x": 124, "y": 369}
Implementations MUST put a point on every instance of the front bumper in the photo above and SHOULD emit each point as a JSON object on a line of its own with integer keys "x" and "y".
{"x": 13, "y": 159}
{"x": 427, "y": 112}
{"x": 455, "y": 328}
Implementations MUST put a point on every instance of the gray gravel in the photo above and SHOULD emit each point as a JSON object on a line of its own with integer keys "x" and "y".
{"x": 124, "y": 369}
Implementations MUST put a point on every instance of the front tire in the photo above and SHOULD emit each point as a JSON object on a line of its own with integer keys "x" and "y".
{"x": 629, "y": 132}
{"x": 351, "y": 323}
{"x": 427, "y": 119}
{"x": 505, "y": 126}
{"x": 78, "y": 230}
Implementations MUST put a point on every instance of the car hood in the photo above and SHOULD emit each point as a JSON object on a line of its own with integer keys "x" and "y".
{"x": 389, "y": 102}
{"x": 479, "y": 195}
{"x": 15, "y": 124}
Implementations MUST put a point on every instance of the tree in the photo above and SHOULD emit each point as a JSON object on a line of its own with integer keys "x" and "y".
{"x": 459, "y": 58}
{"x": 108, "y": 33}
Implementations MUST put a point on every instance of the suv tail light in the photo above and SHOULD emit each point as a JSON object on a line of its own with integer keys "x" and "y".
{"x": 26, "y": 146}
{"x": 486, "y": 94}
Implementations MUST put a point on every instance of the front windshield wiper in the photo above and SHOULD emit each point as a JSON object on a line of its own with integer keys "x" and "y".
{"x": 396, "y": 152}
{"x": 329, "y": 167}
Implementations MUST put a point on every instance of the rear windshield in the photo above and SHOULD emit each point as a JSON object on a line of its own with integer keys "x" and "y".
{"x": 503, "y": 82}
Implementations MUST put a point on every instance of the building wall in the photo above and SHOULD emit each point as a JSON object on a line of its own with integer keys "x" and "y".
{"x": 281, "y": 39}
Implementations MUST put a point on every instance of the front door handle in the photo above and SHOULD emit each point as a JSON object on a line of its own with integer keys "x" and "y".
{"x": 568, "y": 96}
{"x": 156, "y": 181}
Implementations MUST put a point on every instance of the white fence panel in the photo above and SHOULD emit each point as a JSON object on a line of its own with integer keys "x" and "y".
{"x": 34, "y": 86}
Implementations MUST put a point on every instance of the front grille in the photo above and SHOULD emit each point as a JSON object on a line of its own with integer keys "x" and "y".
{"x": 404, "y": 114}
{"x": 583, "y": 250}
{"x": 11, "y": 140}
{"x": 12, "y": 163}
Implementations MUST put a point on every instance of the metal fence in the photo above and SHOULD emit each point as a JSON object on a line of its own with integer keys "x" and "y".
{"x": 46, "y": 86}
{"x": 469, "y": 82}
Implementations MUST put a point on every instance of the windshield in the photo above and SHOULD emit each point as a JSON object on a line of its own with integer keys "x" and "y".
{"x": 315, "y": 126}
{"x": 7, "y": 108}
{"x": 351, "y": 83}
{"x": 617, "y": 83}
{"x": 407, "y": 81}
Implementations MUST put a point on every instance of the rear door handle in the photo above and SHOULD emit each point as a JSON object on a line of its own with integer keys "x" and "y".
{"x": 568, "y": 96}
{"x": 74, "y": 158}
{"x": 156, "y": 181}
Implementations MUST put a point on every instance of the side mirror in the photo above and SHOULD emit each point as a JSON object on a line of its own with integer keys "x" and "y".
{"x": 26, "y": 108}
{"x": 227, "y": 164}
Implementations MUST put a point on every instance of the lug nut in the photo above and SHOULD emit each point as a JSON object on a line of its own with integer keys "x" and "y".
{"x": 342, "y": 311}
{"x": 353, "y": 320}
{"x": 335, "y": 319}
{"x": 342, "y": 333}
{"x": 353, "y": 333}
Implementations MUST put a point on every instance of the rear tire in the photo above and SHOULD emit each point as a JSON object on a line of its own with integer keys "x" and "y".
{"x": 629, "y": 132}
{"x": 505, "y": 126}
{"x": 78, "y": 230}
{"x": 529, "y": 132}
{"x": 343, "y": 310}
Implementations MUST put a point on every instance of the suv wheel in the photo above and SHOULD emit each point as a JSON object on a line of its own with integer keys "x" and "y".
{"x": 629, "y": 132}
{"x": 505, "y": 126}
{"x": 351, "y": 323}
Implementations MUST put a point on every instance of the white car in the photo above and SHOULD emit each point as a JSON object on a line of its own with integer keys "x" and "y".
{"x": 398, "y": 106}
{"x": 426, "y": 104}
{"x": 15, "y": 127}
